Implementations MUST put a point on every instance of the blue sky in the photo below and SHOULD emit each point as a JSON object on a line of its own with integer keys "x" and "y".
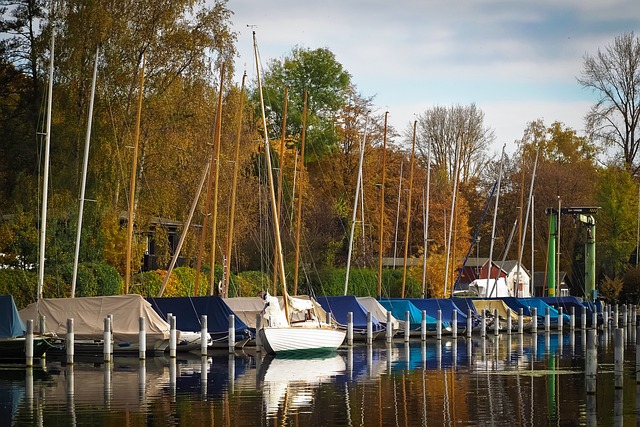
{"x": 516, "y": 60}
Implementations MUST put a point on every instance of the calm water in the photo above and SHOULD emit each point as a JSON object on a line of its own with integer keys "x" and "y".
{"x": 506, "y": 380}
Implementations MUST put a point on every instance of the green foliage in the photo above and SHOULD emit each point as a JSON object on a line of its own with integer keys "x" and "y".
{"x": 616, "y": 194}
{"x": 147, "y": 284}
{"x": 108, "y": 280}
{"x": 19, "y": 283}
{"x": 250, "y": 284}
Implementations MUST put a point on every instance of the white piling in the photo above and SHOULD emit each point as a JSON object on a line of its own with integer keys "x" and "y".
{"x": 496, "y": 322}
{"x": 508, "y": 321}
{"x": 618, "y": 357}
{"x": 389, "y": 331}
{"x": 625, "y": 317}
{"x": 560, "y": 319}
{"x": 70, "y": 342}
{"x": 594, "y": 320}
{"x": 258, "y": 327}
{"x": 591, "y": 369}
{"x": 634, "y": 314}
{"x": 583, "y": 318}
{"x": 350, "y": 328}
{"x": 469, "y": 323}
{"x": 423, "y": 326}
{"x": 534, "y": 320}
{"x": 520, "y": 321}
{"x": 142, "y": 338}
{"x": 232, "y": 333}
{"x": 407, "y": 326}
{"x": 329, "y": 318}
{"x": 483, "y": 325}
{"x": 369, "y": 328}
{"x": 42, "y": 324}
{"x": 547, "y": 319}
{"x": 572, "y": 319}
{"x": 106, "y": 350}
{"x": 439, "y": 325}
{"x": 173, "y": 338}
{"x": 454, "y": 324}
{"x": 616, "y": 315}
{"x": 204, "y": 333}
{"x": 28, "y": 345}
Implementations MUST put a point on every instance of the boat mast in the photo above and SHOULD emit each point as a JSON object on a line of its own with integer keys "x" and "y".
{"x": 280, "y": 178}
{"x": 84, "y": 177}
{"x": 495, "y": 218}
{"x": 216, "y": 173}
{"x": 381, "y": 231}
{"x": 453, "y": 209}
{"x": 272, "y": 194}
{"x": 232, "y": 214}
{"x": 45, "y": 181}
{"x": 299, "y": 213}
{"x": 406, "y": 236}
{"x": 132, "y": 186}
{"x": 355, "y": 203}
{"x": 395, "y": 238}
{"x": 526, "y": 222}
{"x": 426, "y": 222}
{"x": 207, "y": 202}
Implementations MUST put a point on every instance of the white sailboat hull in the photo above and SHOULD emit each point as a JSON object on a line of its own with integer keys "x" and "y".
{"x": 305, "y": 339}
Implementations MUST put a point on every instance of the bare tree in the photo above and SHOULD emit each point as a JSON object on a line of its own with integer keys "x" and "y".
{"x": 614, "y": 74}
{"x": 446, "y": 127}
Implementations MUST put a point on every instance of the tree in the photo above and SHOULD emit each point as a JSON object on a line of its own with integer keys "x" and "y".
{"x": 614, "y": 75}
{"x": 445, "y": 129}
{"x": 328, "y": 85}
{"x": 616, "y": 194}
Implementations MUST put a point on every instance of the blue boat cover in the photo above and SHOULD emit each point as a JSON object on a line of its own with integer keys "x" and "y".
{"x": 10, "y": 323}
{"x": 465, "y": 304}
{"x": 541, "y": 307}
{"x": 340, "y": 306}
{"x": 448, "y": 308}
{"x": 399, "y": 308}
{"x": 189, "y": 309}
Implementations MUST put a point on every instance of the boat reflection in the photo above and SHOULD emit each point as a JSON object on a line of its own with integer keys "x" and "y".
{"x": 288, "y": 384}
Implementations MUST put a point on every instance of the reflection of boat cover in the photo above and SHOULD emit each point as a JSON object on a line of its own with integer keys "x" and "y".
{"x": 88, "y": 315}
{"x": 189, "y": 309}
{"x": 340, "y": 306}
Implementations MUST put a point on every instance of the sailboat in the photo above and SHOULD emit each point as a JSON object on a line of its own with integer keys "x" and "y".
{"x": 280, "y": 334}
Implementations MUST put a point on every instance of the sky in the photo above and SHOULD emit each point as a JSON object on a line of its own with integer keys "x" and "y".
{"x": 517, "y": 60}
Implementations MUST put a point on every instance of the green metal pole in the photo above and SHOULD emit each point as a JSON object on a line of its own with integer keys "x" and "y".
{"x": 590, "y": 259}
{"x": 551, "y": 252}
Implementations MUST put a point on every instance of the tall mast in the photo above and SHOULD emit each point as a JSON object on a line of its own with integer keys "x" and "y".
{"x": 207, "y": 202}
{"x": 426, "y": 222}
{"x": 300, "y": 192}
{"x": 45, "y": 181}
{"x": 495, "y": 218}
{"x": 232, "y": 214}
{"x": 406, "y": 237}
{"x": 84, "y": 177}
{"x": 395, "y": 237}
{"x": 526, "y": 221}
{"x": 272, "y": 194}
{"x": 355, "y": 203}
{"x": 381, "y": 231}
{"x": 216, "y": 173}
{"x": 132, "y": 186}
{"x": 453, "y": 209}
{"x": 280, "y": 177}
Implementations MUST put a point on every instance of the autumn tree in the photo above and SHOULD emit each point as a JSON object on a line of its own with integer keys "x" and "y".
{"x": 613, "y": 74}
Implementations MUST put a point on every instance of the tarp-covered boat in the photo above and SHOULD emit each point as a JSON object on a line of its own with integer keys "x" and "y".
{"x": 399, "y": 308}
{"x": 189, "y": 309}
{"x": 341, "y": 306}
{"x": 88, "y": 315}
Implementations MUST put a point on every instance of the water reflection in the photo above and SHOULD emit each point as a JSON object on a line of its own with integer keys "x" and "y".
{"x": 538, "y": 379}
